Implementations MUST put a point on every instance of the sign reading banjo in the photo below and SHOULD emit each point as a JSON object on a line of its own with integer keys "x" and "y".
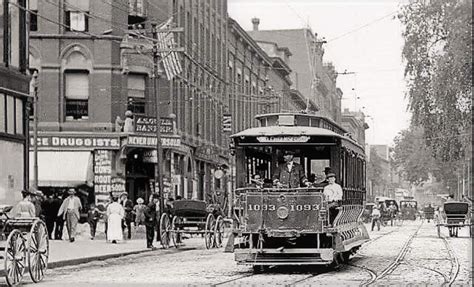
{"x": 147, "y": 125}
{"x": 283, "y": 139}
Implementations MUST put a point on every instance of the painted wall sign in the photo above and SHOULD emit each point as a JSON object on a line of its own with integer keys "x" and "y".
{"x": 226, "y": 122}
{"x": 76, "y": 141}
{"x": 146, "y": 124}
{"x": 102, "y": 175}
{"x": 283, "y": 139}
{"x": 150, "y": 141}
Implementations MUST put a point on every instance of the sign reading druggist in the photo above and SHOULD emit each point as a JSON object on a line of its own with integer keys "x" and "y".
{"x": 76, "y": 141}
{"x": 147, "y": 125}
{"x": 102, "y": 175}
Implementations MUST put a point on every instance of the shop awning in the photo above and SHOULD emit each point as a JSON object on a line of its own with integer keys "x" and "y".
{"x": 62, "y": 168}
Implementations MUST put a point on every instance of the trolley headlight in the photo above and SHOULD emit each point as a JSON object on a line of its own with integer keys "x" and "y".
{"x": 282, "y": 212}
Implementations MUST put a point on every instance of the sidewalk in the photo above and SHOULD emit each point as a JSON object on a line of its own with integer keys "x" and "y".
{"x": 83, "y": 249}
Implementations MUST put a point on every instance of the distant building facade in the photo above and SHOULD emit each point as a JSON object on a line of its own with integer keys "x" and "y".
{"x": 354, "y": 123}
{"x": 315, "y": 79}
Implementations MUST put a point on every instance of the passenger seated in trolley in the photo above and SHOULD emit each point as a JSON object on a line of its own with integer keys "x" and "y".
{"x": 24, "y": 208}
{"x": 290, "y": 174}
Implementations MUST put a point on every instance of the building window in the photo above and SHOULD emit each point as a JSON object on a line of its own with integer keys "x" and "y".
{"x": 14, "y": 33}
{"x": 77, "y": 95}
{"x": 136, "y": 93}
{"x": 136, "y": 14}
{"x": 77, "y": 18}
{"x": 33, "y": 16}
{"x": 3, "y": 114}
{"x": 19, "y": 116}
{"x": 10, "y": 114}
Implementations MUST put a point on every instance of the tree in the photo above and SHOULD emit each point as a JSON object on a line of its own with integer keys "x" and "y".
{"x": 412, "y": 157}
{"x": 437, "y": 52}
{"x": 375, "y": 170}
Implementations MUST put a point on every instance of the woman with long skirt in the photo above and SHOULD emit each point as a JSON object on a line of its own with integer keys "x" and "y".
{"x": 115, "y": 213}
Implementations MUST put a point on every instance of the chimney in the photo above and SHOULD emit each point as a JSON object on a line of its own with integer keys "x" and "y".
{"x": 255, "y": 22}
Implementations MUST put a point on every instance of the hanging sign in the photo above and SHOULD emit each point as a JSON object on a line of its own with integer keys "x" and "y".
{"x": 102, "y": 175}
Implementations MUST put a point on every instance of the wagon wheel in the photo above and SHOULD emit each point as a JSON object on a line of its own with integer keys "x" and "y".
{"x": 38, "y": 251}
{"x": 219, "y": 231}
{"x": 209, "y": 232}
{"x": 174, "y": 233}
{"x": 15, "y": 257}
{"x": 165, "y": 227}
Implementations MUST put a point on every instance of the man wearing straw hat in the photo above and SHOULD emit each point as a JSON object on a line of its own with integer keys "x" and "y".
{"x": 70, "y": 209}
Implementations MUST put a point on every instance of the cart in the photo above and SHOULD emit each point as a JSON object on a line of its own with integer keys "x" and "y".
{"x": 455, "y": 215}
{"x": 428, "y": 213}
{"x": 24, "y": 243}
{"x": 192, "y": 217}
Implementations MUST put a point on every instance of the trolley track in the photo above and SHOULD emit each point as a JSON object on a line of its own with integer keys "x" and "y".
{"x": 375, "y": 276}
{"x": 455, "y": 266}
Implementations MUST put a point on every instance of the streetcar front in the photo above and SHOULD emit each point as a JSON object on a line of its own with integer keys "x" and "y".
{"x": 282, "y": 215}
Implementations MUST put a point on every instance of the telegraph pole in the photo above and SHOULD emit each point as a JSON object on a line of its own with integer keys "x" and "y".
{"x": 159, "y": 149}
{"x": 35, "y": 129}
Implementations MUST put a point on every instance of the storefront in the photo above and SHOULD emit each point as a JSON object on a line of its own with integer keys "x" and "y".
{"x": 87, "y": 161}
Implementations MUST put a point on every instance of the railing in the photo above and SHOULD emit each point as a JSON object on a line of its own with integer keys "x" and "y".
{"x": 348, "y": 214}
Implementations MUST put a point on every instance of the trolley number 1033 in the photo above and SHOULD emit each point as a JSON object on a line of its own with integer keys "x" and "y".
{"x": 292, "y": 207}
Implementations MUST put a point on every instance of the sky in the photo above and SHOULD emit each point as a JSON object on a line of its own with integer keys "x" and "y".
{"x": 363, "y": 36}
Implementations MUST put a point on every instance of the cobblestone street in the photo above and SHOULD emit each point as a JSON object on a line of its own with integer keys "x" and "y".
{"x": 397, "y": 256}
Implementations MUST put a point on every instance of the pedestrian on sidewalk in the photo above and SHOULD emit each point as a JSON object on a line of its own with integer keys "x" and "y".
{"x": 93, "y": 215}
{"x": 49, "y": 214}
{"x": 127, "y": 205}
{"x": 59, "y": 221}
{"x": 24, "y": 208}
{"x": 150, "y": 220}
{"x": 375, "y": 218}
{"x": 115, "y": 214}
{"x": 70, "y": 210}
{"x": 139, "y": 211}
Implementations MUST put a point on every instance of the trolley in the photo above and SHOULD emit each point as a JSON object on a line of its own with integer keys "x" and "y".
{"x": 190, "y": 216}
{"x": 409, "y": 209}
{"x": 454, "y": 216}
{"x": 24, "y": 246}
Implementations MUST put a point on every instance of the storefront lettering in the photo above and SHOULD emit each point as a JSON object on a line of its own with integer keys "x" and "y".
{"x": 151, "y": 141}
{"x": 146, "y": 124}
{"x": 75, "y": 142}
{"x": 102, "y": 172}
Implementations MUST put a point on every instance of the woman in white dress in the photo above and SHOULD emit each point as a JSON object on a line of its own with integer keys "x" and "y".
{"x": 115, "y": 213}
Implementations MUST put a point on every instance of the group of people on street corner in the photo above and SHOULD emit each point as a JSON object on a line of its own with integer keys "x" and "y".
{"x": 120, "y": 215}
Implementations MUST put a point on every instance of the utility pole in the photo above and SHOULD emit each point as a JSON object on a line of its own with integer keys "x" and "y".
{"x": 159, "y": 150}
{"x": 35, "y": 129}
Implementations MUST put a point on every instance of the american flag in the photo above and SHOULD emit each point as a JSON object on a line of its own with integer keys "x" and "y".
{"x": 171, "y": 61}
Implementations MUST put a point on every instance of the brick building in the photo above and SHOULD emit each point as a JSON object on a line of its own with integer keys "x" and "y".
{"x": 95, "y": 63}
{"x": 315, "y": 79}
{"x": 354, "y": 123}
{"x": 14, "y": 94}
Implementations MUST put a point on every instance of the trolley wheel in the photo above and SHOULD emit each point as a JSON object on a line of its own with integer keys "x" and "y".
{"x": 219, "y": 231}
{"x": 209, "y": 231}
{"x": 165, "y": 227}
{"x": 15, "y": 257}
{"x": 38, "y": 250}
{"x": 174, "y": 233}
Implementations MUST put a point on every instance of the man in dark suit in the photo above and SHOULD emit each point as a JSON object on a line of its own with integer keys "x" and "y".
{"x": 128, "y": 207}
{"x": 150, "y": 220}
{"x": 289, "y": 174}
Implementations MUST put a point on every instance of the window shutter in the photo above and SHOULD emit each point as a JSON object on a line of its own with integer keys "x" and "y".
{"x": 77, "y": 85}
{"x": 136, "y": 86}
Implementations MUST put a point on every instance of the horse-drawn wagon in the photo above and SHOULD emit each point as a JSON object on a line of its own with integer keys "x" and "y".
{"x": 454, "y": 216}
{"x": 191, "y": 217}
{"x": 24, "y": 245}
